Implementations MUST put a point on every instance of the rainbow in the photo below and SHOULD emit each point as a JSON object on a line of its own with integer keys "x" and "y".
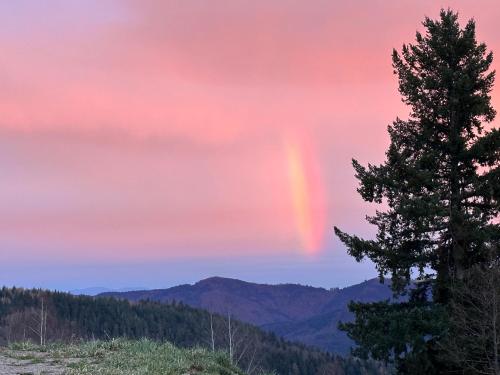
{"x": 306, "y": 192}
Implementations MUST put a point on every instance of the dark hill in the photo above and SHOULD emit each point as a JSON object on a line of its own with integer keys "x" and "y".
{"x": 302, "y": 313}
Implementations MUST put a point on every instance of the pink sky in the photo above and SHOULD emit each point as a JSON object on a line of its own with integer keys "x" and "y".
{"x": 153, "y": 130}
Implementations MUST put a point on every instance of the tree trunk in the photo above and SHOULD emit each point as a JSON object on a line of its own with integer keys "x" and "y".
{"x": 494, "y": 302}
{"x": 456, "y": 217}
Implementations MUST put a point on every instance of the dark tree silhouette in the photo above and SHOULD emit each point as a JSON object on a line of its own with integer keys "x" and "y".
{"x": 441, "y": 184}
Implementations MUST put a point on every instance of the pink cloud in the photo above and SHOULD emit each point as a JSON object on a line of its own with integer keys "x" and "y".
{"x": 159, "y": 125}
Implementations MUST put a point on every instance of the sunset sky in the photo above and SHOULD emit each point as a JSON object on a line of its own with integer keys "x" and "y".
{"x": 150, "y": 142}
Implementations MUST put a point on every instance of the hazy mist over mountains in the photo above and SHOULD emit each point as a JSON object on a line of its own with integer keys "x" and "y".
{"x": 95, "y": 290}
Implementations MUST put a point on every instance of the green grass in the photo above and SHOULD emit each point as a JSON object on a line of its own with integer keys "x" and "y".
{"x": 126, "y": 357}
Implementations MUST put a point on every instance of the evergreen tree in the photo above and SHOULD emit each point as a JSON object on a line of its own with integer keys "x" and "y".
{"x": 440, "y": 184}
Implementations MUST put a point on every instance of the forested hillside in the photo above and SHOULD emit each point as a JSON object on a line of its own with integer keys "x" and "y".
{"x": 297, "y": 312}
{"x": 53, "y": 316}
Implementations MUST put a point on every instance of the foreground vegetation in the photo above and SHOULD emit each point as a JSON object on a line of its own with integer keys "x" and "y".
{"x": 123, "y": 357}
{"x": 46, "y": 317}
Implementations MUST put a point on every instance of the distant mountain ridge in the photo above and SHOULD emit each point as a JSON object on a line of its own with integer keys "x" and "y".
{"x": 296, "y": 312}
{"x": 95, "y": 290}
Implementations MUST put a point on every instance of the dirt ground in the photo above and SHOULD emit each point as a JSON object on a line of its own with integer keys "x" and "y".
{"x": 29, "y": 363}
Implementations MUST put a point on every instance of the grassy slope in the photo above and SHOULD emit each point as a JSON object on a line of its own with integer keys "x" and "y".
{"x": 137, "y": 357}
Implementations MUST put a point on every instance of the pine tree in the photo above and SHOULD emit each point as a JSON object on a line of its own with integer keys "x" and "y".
{"x": 440, "y": 181}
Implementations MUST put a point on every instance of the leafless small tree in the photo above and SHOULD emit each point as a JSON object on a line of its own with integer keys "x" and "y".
{"x": 242, "y": 346}
{"x": 212, "y": 336}
{"x": 230, "y": 337}
{"x": 38, "y": 324}
{"x": 473, "y": 341}
{"x": 239, "y": 340}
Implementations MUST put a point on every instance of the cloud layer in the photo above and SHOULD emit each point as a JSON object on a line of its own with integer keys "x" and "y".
{"x": 157, "y": 129}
